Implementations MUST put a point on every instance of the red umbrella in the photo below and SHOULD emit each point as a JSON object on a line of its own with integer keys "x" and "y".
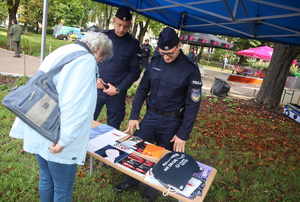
{"x": 261, "y": 52}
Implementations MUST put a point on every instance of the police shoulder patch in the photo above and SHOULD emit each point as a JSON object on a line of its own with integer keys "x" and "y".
{"x": 195, "y": 95}
{"x": 196, "y": 82}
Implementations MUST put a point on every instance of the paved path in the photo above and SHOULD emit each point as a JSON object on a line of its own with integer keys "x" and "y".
{"x": 28, "y": 65}
{"x": 25, "y": 65}
{"x": 244, "y": 91}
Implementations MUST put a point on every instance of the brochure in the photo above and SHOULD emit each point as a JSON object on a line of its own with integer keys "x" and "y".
{"x": 137, "y": 163}
{"x": 99, "y": 130}
{"x": 108, "y": 138}
{"x": 112, "y": 154}
{"x": 132, "y": 141}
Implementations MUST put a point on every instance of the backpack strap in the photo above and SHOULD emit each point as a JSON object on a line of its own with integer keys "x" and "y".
{"x": 69, "y": 58}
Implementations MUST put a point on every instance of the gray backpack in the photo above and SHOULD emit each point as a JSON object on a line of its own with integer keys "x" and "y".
{"x": 36, "y": 102}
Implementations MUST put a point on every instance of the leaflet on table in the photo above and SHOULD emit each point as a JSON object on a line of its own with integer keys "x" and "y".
{"x": 132, "y": 141}
{"x": 204, "y": 171}
{"x": 131, "y": 144}
{"x": 192, "y": 185}
{"x": 111, "y": 153}
{"x": 137, "y": 163}
{"x": 139, "y": 145}
{"x": 105, "y": 139}
{"x": 131, "y": 161}
{"x": 100, "y": 130}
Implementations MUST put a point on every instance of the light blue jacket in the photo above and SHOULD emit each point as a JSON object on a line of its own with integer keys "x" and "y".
{"x": 76, "y": 87}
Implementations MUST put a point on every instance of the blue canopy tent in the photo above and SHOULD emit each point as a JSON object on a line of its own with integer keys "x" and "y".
{"x": 268, "y": 20}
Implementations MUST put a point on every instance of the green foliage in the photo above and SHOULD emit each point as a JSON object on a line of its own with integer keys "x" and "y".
{"x": 31, "y": 43}
{"x": 3, "y": 11}
{"x": 205, "y": 62}
{"x": 73, "y": 13}
{"x": 131, "y": 91}
{"x": 156, "y": 27}
{"x": 31, "y": 13}
{"x": 21, "y": 80}
{"x": 213, "y": 100}
{"x": 257, "y": 64}
{"x": 3, "y": 38}
{"x": 101, "y": 13}
{"x": 295, "y": 70}
{"x": 241, "y": 43}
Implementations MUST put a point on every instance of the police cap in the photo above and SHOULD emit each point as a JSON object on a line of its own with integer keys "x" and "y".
{"x": 167, "y": 39}
{"x": 123, "y": 13}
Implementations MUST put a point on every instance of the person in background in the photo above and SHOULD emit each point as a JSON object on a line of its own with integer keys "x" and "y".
{"x": 225, "y": 62}
{"x": 117, "y": 74}
{"x": 193, "y": 55}
{"x": 146, "y": 53}
{"x": 171, "y": 87}
{"x": 15, "y": 33}
{"x": 76, "y": 87}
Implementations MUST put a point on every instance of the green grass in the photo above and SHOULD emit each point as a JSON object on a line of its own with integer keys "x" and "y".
{"x": 252, "y": 166}
{"x": 31, "y": 43}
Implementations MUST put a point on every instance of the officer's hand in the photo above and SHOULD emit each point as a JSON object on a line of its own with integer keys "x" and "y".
{"x": 55, "y": 148}
{"x": 100, "y": 83}
{"x": 178, "y": 145}
{"x": 111, "y": 90}
{"x": 132, "y": 125}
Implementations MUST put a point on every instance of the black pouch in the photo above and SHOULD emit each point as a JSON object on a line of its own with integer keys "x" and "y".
{"x": 175, "y": 169}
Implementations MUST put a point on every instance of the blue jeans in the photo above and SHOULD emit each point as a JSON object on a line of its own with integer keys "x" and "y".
{"x": 56, "y": 180}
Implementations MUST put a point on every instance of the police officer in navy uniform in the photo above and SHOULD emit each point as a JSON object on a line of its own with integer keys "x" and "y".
{"x": 116, "y": 75}
{"x": 171, "y": 86}
{"x": 146, "y": 53}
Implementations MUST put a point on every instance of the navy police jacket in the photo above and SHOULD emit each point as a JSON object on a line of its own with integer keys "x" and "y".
{"x": 171, "y": 87}
{"x": 123, "y": 68}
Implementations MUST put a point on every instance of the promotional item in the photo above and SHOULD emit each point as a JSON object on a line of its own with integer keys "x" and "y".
{"x": 175, "y": 169}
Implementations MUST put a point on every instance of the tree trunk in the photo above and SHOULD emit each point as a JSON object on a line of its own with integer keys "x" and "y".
{"x": 241, "y": 60}
{"x": 143, "y": 30}
{"x": 135, "y": 26}
{"x": 37, "y": 28}
{"x": 108, "y": 15}
{"x": 200, "y": 54}
{"x": 273, "y": 84}
{"x": 12, "y": 6}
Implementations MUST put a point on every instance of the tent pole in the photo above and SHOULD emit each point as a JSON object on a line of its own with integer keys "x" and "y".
{"x": 182, "y": 18}
{"x": 44, "y": 29}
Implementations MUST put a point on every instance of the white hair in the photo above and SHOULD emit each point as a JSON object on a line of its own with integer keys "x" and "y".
{"x": 96, "y": 41}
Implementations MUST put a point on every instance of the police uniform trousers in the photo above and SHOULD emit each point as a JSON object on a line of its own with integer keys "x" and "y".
{"x": 157, "y": 129}
{"x": 115, "y": 106}
{"x": 145, "y": 62}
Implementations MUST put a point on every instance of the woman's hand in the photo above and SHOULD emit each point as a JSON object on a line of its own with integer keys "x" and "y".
{"x": 55, "y": 148}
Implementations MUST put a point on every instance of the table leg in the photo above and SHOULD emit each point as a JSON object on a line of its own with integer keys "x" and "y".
{"x": 293, "y": 92}
{"x": 91, "y": 165}
{"x": 284, "y": 92}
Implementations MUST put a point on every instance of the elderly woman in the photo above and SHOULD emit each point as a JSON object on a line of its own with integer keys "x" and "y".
{"x": 76, "y": 87}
